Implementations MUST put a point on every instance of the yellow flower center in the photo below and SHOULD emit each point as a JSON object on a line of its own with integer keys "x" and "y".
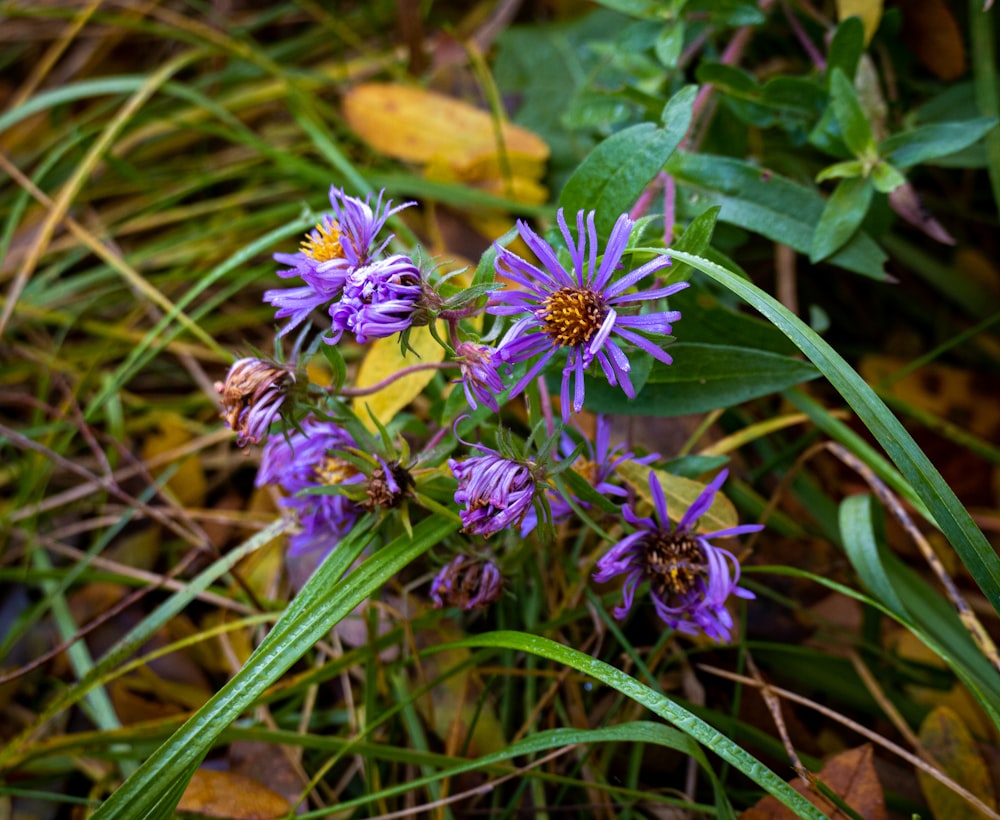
{"x": 335, "y": 471}
{"x": 572, "y": 316}
{"x": 586, "y": 469}
{"x": 323, "y": 243}
{"x": 674, "y": 564}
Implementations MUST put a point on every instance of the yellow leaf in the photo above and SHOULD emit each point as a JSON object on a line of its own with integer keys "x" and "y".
{"x": 870, "y": 12}
{"x": 951, "y": 744}
{"x": 680, "y": 494}
{"x": 188, "y": 483}
{"x": 415, "y": 125}
{"x": 223, "y": 794}
{"x": 383, "y": 360}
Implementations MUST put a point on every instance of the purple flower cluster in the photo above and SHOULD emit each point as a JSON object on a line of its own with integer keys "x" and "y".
{"x": 584, "y": 310}
{"x": 690, "y": 578}
{"x": 496, "y": 492}
{"x": 303, "y": 460}
{"x": 342, "y": 265}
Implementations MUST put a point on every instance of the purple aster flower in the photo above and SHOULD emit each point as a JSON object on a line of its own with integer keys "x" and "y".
{"x": 252, "y": 396}
{"x": 468, "y": 583}
{"x": 303, "y": 460}
{"x": 340, "y": 243}
{"x": 582, "y": 310}
{"x": 378, "y": 300}
{"x": 597, "y": 465}
{"x": 690, "y": 579}
{"x": 497, "y": 492}
{"x": 480, "y": 376}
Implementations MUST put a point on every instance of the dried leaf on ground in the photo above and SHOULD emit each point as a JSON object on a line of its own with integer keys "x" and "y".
{"x": 850, "y": 775}
{"x": 223, "y": 794}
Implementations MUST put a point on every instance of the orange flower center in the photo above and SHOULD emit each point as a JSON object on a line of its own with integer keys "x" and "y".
{"x": 572, "y": 316}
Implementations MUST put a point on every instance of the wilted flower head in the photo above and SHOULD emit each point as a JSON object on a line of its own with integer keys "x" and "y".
{"x": 304, "y": 460}
{"x": 378, "y": 300}
{"x": 497, "y": 492}
{"x": 579, "y": 310}
{"x": 690, "y": 579}
{"x": 469, "y": 583}
{"x": 480, "y": 376}
{"x": 388, "y": 485}
{"x": 252, "y": 396}
{"x": 340, "y": 243}
{"x": 597, "y": 465}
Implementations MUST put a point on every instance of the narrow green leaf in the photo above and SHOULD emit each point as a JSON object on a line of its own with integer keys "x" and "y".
{"x": 932, "y": 141}
{"x": 953, "y": 519}
{"x": 703, "y": 377}
{"x": 858, "y": 534}
{"x": 656, "y": 703}
{"x": 614, "y": 174}
{"x": 841, "y": 170}
{"x": 854, "y": 125}
{"x": 845, "y": 210}
{"x": 695, "y": 239}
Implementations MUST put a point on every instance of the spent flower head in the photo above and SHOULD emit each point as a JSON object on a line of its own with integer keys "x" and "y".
{"x": 252, "y": 396}
{"x": 496, "y": 492}
{"x": 469, "y": 583}
{"x": 583, "y": 310}
{"x": 480, "y": 374}
{"x": 690, "y": 578}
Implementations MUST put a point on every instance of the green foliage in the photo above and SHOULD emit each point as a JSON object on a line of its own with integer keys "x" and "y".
{"x": 153, "y": 162}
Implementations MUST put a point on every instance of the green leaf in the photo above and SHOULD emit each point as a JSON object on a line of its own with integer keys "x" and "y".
{"x": 951, "y": 517}
{"x": 769, "y": 204}
{"x": 695, "y": 239}
{"x": 846, "y": 48}
{"x": 843, "y": 214}
{"x": 615, "y": 173}
{"x": 670, "y": 44}
{"x": 704, "y": 319}
{"x": 854, "y": 126}
{"x": 658, "y": 704}
{"x": 323, "y": 602}
{"x": 931, "y": 141}
{"x": 702, "y": 377}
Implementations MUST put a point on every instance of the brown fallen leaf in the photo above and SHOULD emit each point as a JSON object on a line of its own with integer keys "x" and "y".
{"x": 932, "y": 33}
{"x": 850, "y": 775}
{"x": 223, "y": 794}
